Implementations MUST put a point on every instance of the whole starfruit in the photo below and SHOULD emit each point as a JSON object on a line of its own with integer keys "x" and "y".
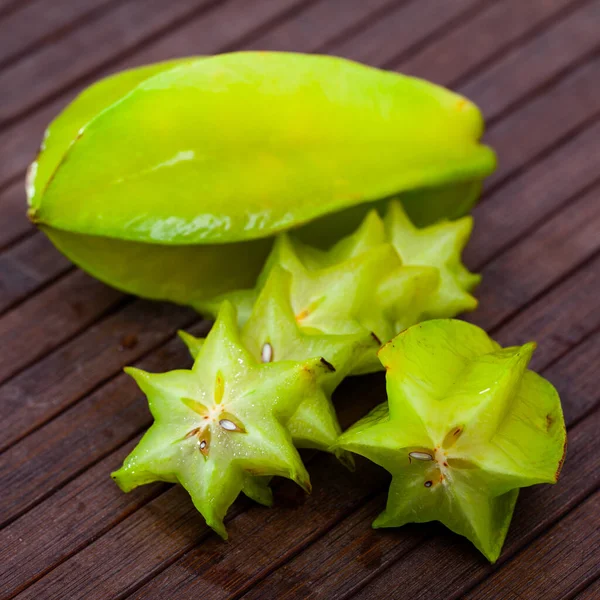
{"x": 465, "y": 426}
{"x": 169, "y": 181}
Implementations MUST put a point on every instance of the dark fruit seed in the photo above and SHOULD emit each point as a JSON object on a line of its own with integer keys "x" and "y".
{"x": 328, "y": 365}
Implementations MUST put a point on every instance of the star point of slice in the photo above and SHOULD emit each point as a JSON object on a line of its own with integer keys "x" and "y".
{"x": 219, "y": 428}
{"x": 440, "y": 246}
{"x": 466, "y": 425}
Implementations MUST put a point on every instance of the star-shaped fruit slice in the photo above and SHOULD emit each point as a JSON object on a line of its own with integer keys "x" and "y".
{"x": 438, "y": 246}
{"x": 466, "y": 425}
{"x": 219, "y": 428}
{"x": 272, "y": 333}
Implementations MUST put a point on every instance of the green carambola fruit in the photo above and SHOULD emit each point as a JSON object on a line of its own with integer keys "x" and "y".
{"x": 339, "y": 304}
{"x": 199, "y": 162}
{"x": 219, "y": 428}
{"x": 466, "y": 425}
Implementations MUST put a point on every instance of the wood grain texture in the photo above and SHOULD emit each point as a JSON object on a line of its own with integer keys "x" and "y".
{"x": 85, "y": 433}
{"x": 44, "y": 321}
{"x": 26, "y": 267}
{"x": 592, "y": 592}
{"x": 67, "y": 418}
{"x": 349, "y": 558}
{"x": 558, "y": 563}
{"x": 561, "y": 318}
{"x": 397, "y": 31}
{"x": 78, "y": 511}
{"x": 500, "y": 26}
{"x": 38, "y": 22}
{"x": 59, "y": 64}
{"x": 61, "y": 378}
{"x": 526, "y": 269}
{"x": 318, "y": 24}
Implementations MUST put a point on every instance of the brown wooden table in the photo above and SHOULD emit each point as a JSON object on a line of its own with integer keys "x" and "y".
{"x": 68, "y": 415}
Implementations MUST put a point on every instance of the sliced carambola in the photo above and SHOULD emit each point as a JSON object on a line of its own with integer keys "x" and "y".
{"x": 222, "y": 423}
{"x": 384, "y": 277}
{"x": 439, "y": 246}
{"x": 466, "y": 425}
{"x": 272, "y": 333}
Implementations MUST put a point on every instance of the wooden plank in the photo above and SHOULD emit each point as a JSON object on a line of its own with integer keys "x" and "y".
{"x": 500, "y": 26}
{"x": 42, "y": 322}
{"x": 127, "y": 26}
{"x": 532, "y": 64}
{"x": 526, "y": 269}
{"x": 109, "y": 551}
{"x": 319, "y": 23}
{"x": 40, "y": 21}
{"x": 349, "y": 556}
{"x": 54, "y": 383}
{"x": 554, "y": 566}
{"x": 577, "y": 375}
{"x": 400, "y": 30}
{"x": 561, "y": 318}
{"x": 7, "y": 6}
{"x": 533, "y": 195}
{"x": 27, "y": 266}
{"x": 85, "y": 433}
{"x": 82, "y": 509}
{"x": 592, "y": 592}
{"x": 14, "y": 223}
{"x": 547, "y": 118}
{"x": 60, "y": 64}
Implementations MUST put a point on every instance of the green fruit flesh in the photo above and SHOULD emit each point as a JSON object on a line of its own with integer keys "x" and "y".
{"x": 221, "y": 424}
{"x": 466, "y": 425}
